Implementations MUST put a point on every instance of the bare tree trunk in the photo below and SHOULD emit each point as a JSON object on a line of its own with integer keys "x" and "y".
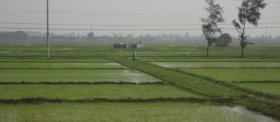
{"x": 242, "y": 40}
{"x": 242, "y": 52}
{"x": 208, "y": 49}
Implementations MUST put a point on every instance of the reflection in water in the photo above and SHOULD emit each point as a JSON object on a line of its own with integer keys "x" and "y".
{"x": 256, "y": 116}
{"x": 138, "y": 77}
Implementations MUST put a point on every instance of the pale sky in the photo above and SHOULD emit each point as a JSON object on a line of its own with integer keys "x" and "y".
{"x": 134, "y": 14}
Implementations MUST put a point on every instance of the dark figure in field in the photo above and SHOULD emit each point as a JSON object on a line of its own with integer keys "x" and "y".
{"x": 134, "y": 56}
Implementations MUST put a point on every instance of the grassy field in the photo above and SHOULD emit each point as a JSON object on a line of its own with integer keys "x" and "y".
{"x": 195, "y": 84}
{"x": 89, "y": 71}
{"x": 33, "y": 65}
{"x": 74, "y": 75}
{"x": 107, "y": 91}
{"x": 92, "y": 50}
{"x": 204, "y": 59}
{"x": 218, "y": 64}
{"x": 52, "y": 60}
{"x": 239, "y": 74}
{"x": 130, "y": 112}
{"x": 270, "y": 88}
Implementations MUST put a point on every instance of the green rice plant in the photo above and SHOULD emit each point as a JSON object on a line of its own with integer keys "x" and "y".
{"x": 86, "y": 50}
{"x": 74, "y": 75}
{"x": 54, "y": 60}
{"x": 269, "y": 88}
{"x": 80, "y": 92}
{"x": 218, "y": 64}
{"x": 195, "y": 84}
{"x": 202, "y": 59}
{"x": 238, "y": 74}
{"x": 148, "y": 112}
{"x": 33, "y": 65}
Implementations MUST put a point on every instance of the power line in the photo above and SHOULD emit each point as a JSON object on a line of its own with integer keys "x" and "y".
{"x": 48, "y": 34}
{"x": 102, "y": 13}
{"x": 106, "y": 13}
{"x": 120, "y": 29}
{"x": 104, "y": 25}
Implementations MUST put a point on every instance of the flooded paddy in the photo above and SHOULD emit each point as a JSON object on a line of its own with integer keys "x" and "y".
{"x": 74, "y": 75}
{"x": 108, "y": 91}
{"x": 50, "y": 65}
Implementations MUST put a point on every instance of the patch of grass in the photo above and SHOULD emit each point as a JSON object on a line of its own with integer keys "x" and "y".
{"x": 55, "y": 60}
{"x": 238, "y": 74}
{"x": 33, "y": 65}
{"x": 89, "y": 50}
{"x": 218, "y": 64}
{"x": 203, "y": 59}
{"x": 92, "y": 53}
{"x": 195, "y": 84}
{"x": 270, "y": 88}
{"x": 109, "y": 91}
{"x": 148, "y": 112}
{"x": 74, "y": 75}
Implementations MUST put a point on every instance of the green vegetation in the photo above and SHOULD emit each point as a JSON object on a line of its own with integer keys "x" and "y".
{"x": 73, "y": 92}
{"x": 257, "y": 52}
{"x": 74, "y": 75}
{"x": 248, "y": 13}
{"x": 210, "y": 27}
{"x": 239, "y": 74}
{"x": 152, "y": 112}
{"x": 224, "y": 40}
{"x": 91, "y": 52}
{"x": 218, "y": 64}
{"x": 198, "y": 60}
{"x": 270, "y": 88}
{"x": 195, "y": 84}
{"x": 86, "y": 79}
{"x": 33, "y": 65}
{"x": 78, "y": 76}
{"x": 53, "y": 60}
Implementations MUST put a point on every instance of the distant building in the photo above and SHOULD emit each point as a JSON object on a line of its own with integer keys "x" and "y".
{"x": 90, "y": 36}
{"x": 120, "y": 45}
{"x": 124, "y": 45}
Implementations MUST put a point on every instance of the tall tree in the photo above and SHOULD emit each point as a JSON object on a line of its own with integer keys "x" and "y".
{"x": 249, "y": 12}
{"x": 210, "y": 27}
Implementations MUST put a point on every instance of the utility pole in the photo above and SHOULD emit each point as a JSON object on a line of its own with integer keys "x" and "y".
{"x": 48, "y": 34}
{"x": 266, "y": 33}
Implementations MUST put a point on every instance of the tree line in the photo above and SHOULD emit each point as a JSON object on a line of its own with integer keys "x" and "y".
{"x": 248, "y": 13}
{"x": 13, "y": 36}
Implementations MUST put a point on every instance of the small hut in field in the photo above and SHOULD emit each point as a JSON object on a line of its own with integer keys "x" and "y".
{"x": 124, "y": 45}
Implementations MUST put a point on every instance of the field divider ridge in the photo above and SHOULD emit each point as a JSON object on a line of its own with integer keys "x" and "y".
{"x": 205, "y": 86}
{"x": 81, "y": 83}
{"x": 232, "y": 86}
{"x": 120, "y": 100}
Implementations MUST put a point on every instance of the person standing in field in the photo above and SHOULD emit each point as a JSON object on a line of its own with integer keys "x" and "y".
{"x": 134, "y": 56}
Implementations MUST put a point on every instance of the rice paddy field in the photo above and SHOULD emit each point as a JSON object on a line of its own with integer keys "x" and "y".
{"x": 220, "y": 64}
{"x": 179, "y": 83}
{"x": 107, "y": 91}
{"x": 239, "y": 75}
{"x": 159, "y": 112}
{"x": 74, "y": 75}
{"x": 270, "y": 88}
{"x": 42, "y": 65}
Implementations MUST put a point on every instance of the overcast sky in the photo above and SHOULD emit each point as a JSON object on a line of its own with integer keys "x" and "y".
{"x": 122, "y": 14}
